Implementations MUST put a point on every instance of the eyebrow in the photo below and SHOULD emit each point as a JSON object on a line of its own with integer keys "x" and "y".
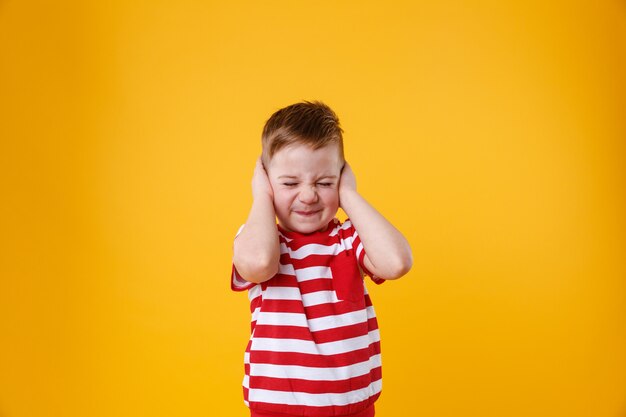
{"x": 320, "y": 178}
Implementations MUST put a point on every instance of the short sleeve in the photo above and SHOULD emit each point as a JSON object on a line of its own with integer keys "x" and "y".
{"x": 357, "y": 245}
{"x": 237, "y": 283}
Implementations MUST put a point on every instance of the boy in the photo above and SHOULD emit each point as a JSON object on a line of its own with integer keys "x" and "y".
{"x": 314, "y": 348}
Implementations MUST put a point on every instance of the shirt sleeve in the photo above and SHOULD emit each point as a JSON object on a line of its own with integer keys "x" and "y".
{"x": 357, "y": 245}
{"x": 237, "y": 283}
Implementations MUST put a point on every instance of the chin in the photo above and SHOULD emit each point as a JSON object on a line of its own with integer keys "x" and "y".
{"x": 305, "y": 228}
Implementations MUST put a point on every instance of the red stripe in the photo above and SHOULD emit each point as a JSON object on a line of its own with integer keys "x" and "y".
{"x": 284, "y": 280}
{"x": 315, "y": 387}
{"x": 302, "y": 410}
{"x": 256, "y": 299}
{"x": 306, "y": 287}
{"x": 242, "y": 285}
{"x": 282, "y": 332}
{"x": 283, "y": 306}
{"x": 316, "y": 311}
{"x": 315, "y": 361}
{"x": 332, "y": 309}
{"x": 255, "y": 303}
{"x": 315, "y": 285}
{"x": 345, "y": 332}
{"x": 321, "y": 336}
{"x": 308, "y": 261}
{"x": 315, "y": 238}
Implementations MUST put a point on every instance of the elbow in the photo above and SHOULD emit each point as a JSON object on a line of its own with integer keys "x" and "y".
{"x": 399, "y": 267}
{"x": 256, "y": 269}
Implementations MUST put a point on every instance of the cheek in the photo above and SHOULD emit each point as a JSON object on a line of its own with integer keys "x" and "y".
{"x": 282, "y": 199}
{"x": 331, "y": 197}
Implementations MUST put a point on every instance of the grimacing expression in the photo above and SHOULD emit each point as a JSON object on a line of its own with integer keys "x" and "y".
{"x": 305, "y": 183}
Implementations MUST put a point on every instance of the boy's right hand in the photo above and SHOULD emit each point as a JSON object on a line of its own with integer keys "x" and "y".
{"x": 260, "y": 182}
{"x": 256, "y": 250}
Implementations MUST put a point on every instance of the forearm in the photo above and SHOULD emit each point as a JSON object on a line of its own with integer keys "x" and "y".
{"x": 387, "y": 249}
{"x": 256, "y": 249}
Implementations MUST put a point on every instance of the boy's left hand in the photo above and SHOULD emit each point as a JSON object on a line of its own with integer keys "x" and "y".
{"x": 387, "y": 252}
{"x": 347, "y": 182}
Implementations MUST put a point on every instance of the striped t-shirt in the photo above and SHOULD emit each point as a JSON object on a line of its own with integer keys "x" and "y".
{"x": 314, "y": 348}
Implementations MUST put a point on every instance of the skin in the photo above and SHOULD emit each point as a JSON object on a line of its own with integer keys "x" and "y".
{"x": 303, "y": 188}
{"x": 305, "y": 184}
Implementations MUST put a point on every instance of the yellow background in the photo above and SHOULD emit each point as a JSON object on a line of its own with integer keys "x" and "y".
{"x": 491, "y": 133}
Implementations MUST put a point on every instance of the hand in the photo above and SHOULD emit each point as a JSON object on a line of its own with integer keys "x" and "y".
{"x": 347, "y": 182}
{"x": 260, "y": 182}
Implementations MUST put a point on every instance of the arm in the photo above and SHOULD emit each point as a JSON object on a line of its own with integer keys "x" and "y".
{"x": 388, "y": 254}
{"x": 256, "y": 249}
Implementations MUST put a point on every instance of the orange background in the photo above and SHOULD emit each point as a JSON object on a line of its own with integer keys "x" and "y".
{"x": 491, "y": 133}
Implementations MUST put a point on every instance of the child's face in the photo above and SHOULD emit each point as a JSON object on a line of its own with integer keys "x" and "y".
{"x": 306, "y": 186}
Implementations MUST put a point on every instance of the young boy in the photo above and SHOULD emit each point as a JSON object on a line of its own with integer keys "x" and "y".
{"x": 314, "y": 348}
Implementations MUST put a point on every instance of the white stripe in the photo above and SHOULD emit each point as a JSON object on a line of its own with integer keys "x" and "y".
{"x": 308, "y": 273}
{"x": 359, "y": 249}
{"x": 292, "y": 293}
{"x": 347, "y": 242}
{"x": 352, "y": 238}
{"x": 282, "y": 293}
{"x": 344, "y": 226}
{"x": 238, "y": 281}
{"x": 308, "y": 346}
{"x": 315, "y": 325}
{"x": 315, "y": 400}
{"x": 319, "y": 297}
{"x": 310, "y": 249}
{"x": 255, "y": 314}
{"x": 313, "y": 272}
{"x": 333, "y": 322}
{"x": 286, "y": 269}
{"x": 315, "y": 373}
{"x": 308, "y": 300}
{"x": 282, "y": 319}
{"x": 254, "y": 292}
{"x": 285, "y": 237}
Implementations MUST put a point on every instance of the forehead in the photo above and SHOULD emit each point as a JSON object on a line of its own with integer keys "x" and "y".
{"x": 303, "y": 160}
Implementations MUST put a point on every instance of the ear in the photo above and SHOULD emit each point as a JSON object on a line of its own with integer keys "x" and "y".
{"x": 265, "y": 160}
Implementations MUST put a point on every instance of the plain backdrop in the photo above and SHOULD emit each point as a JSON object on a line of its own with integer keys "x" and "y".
{"x": 491, "y": 133}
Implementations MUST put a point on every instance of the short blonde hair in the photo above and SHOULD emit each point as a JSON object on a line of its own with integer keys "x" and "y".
{"x": 310, "y": 123}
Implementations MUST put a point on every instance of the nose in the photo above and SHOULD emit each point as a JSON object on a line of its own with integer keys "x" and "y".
{"x": 308, "y": 195}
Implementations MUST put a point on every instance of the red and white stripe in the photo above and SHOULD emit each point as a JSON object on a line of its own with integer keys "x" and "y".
{"x": 309, "y": 352}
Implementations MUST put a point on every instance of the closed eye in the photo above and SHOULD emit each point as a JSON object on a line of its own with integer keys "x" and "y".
{"x": 293, "y": 184}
